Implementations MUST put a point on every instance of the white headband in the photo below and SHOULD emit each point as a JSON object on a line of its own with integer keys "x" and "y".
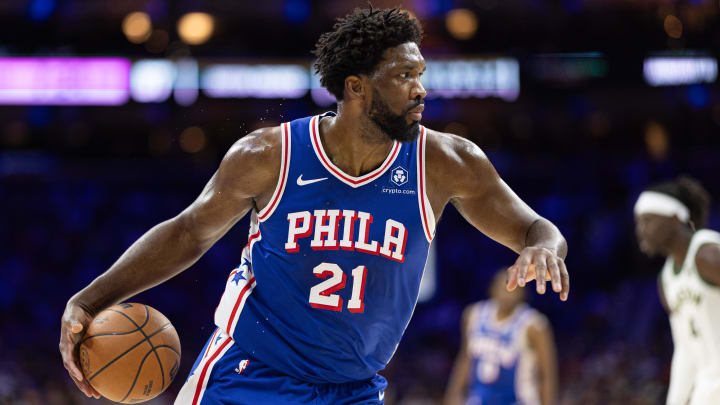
{"x": 653, "y": 202}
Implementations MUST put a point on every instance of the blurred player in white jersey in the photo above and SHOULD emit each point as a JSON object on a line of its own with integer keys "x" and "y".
{"x": 507, "y": 356}
{"x": 669, "y": 220}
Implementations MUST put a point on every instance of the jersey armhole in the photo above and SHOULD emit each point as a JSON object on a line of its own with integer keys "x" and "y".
{"x": 426, "y": 213}
{"x": 266, "y": 212}
{"x": 695, "y": 266}
{"x": 533, "y": 318}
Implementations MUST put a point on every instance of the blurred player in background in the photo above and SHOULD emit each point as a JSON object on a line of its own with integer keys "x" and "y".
{"x": 343, "y": 209}
{"x": 669, "y": 220}
{"x": 507, "y": 357}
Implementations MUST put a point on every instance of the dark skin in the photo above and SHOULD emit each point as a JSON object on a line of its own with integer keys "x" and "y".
{"x": 670, "y": 237}
{"x": 540, "y": 340}
{"x": 458, "y": 172}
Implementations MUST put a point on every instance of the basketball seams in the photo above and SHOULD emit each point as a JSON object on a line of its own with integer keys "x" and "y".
{"x": 86, "y": 338}
{"x": 128, "y": 350}
{"x": 147, "y": 338}
{"x": 147, "y": 318}
{"x": 139, "y": 370}
{"x": 137, "y": 374}
{"x": 168, "y": 347}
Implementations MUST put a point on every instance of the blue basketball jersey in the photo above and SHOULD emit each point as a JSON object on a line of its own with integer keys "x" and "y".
{"x": 503, "y": 368}
{"x": 330, "y": 276}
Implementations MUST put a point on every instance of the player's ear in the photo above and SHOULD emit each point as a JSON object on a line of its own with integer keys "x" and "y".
{"x": 354, "y": 87}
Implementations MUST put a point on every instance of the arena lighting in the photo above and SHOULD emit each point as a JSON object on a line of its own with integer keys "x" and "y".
{"x": 446, "y": 79}
{"x": 64, "y": 81}
{"x": 318, "y": 93}
{"x": 673, "y": 26}
{"x": 111, "y": 81}
{"x": 192, "y": 140}
{"x": 137, "y": 27}
{"x": 260, "y": 81}
{"x": 679, "y": 70}
{"x": 186, "y": 85}
{"x": 568, "y": 68}
{"x": 152, "y": 81}
{"x": 196, "y": 28}
{"x": 461, "y": 23}
{"x": 473, "y": 78}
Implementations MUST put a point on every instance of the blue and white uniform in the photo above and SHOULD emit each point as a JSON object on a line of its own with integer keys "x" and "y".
{"x": 503, "y": 368}
{"x": 327, "y": 284}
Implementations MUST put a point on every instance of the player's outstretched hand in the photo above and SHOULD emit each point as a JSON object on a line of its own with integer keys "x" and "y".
{"x": 534, "y": 261}
{"x": 74, "y": 322}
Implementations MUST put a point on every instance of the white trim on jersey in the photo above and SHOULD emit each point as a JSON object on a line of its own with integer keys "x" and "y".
{"x": 266, "y": 212}
{"x": 210, "y": 344}
{"x": 237, "y": 292}
{"x": 192, "y": 391}
{"x": 426, "y": 213}
{"x": 351, "y": 181}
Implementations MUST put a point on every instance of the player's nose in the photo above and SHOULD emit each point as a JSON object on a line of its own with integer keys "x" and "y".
{"x": 418, "y": 91}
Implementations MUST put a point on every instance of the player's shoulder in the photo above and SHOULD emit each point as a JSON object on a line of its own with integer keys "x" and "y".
{"x": 254, "y": 160}
{"x": 707, "y": 258}
{"x": 262, "y": 143}
{"x": 447, "y": 152}
{"x": 470, "y": 314}
{"x": 473, "y": 309}
{"x": 536, "y": 319}
{"x": 449, "y": 145}
{"x": 708, "y": 244}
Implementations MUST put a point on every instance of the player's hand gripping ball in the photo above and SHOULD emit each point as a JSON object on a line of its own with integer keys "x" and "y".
{"x": 130, "y": 353}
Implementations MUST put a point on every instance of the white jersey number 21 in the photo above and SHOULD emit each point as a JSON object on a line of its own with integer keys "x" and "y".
{"x": 321, "y": 295}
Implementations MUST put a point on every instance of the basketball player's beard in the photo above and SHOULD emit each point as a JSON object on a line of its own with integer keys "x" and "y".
{"x": 393, "y": 125}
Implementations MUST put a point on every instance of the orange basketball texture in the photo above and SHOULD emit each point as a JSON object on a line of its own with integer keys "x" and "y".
{"x": 130, "y": 353}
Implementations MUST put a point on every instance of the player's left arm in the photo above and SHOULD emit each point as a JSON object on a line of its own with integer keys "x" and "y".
{"x": 707, "y": 260}
{"x": 460, "y": 173}
{"x": 541, "y": 341}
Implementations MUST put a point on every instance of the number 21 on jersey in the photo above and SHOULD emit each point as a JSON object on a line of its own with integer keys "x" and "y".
{"x": 322, "y": 295}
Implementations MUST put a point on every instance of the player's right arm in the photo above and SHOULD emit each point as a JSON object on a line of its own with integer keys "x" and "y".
{"x": 245, "y": 179}
{"x": 458, "y": 382}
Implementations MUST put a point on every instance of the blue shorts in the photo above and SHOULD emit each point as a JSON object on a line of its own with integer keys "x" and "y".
{"x": 225, "y": 374}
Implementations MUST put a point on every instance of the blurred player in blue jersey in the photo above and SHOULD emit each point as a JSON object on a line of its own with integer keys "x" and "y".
{"x": 343, "y": 209}
{"x": 508, "y": 355}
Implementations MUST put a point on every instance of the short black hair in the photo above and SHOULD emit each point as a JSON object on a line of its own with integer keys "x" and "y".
{"x": 357, "y": 42}
{"x": 691, "y": 193}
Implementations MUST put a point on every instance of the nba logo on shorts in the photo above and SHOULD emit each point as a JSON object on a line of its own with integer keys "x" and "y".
{"x": 399, "y": 176}
{"x": 241, "y": 366}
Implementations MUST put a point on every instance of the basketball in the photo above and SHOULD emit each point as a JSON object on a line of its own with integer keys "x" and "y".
{"x": 130, "y": 353}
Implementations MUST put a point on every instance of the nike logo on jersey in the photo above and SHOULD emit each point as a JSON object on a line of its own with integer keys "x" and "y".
{"x": 301, "y": 182}
{"x": 381, "y": 395}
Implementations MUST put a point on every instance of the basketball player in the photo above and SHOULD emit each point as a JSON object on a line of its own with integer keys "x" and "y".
{"x": 669, "y": 217}
{"x": 343, "y": 209}
{"x": 507, "y": 356}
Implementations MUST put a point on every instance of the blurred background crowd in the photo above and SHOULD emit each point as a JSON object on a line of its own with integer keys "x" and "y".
{"x": 114, "y": 114}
